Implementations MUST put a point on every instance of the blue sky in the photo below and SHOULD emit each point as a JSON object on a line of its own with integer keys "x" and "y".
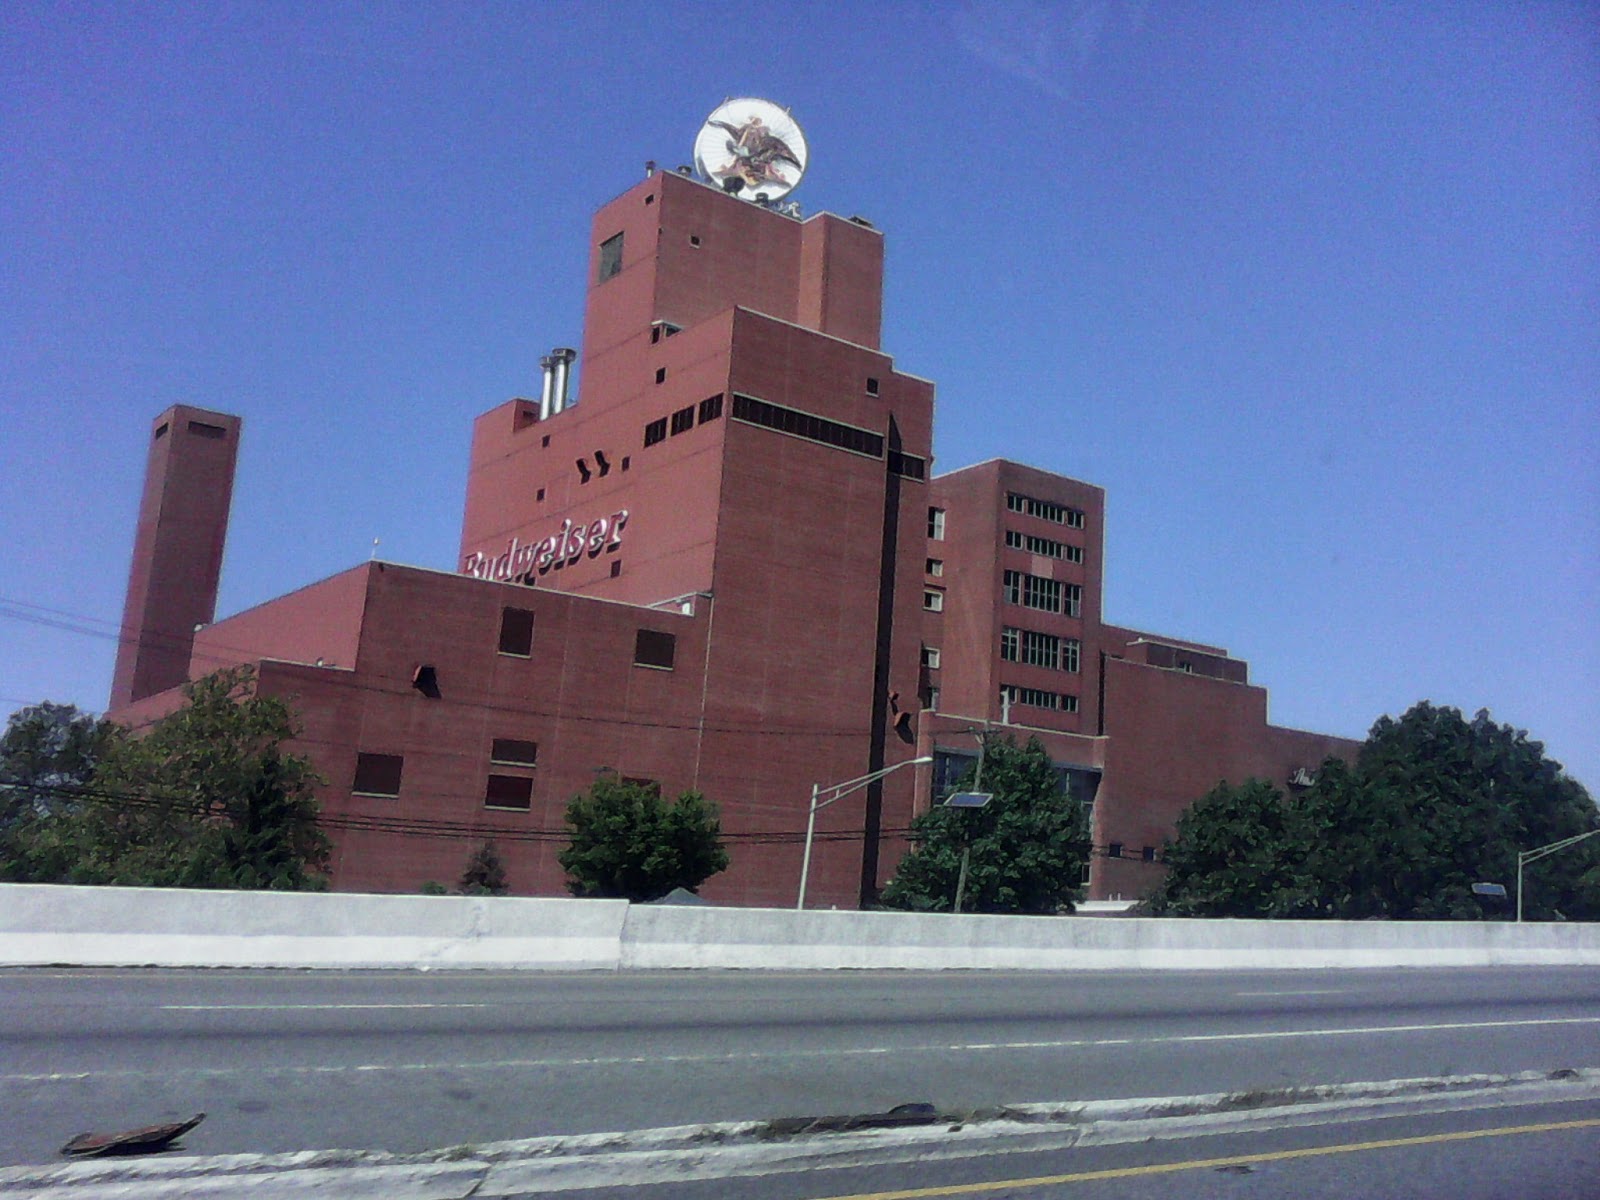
{"x": 1312, "y": 290}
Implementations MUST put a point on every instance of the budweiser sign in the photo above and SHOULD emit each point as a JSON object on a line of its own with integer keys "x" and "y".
{"x": 523, "y": 561}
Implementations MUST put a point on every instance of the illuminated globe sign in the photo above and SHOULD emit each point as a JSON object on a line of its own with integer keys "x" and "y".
{"x": 752, "y": 148}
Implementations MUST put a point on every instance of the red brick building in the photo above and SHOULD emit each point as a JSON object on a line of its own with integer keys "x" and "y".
{"x": 722, "y": 567}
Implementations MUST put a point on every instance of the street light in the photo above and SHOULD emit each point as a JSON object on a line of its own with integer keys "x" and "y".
{"x": 1534, "y": 855}
{"x": 840, "y": 791}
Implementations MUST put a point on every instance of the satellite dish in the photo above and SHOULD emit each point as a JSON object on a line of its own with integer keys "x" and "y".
{"x": 749, "y": 145}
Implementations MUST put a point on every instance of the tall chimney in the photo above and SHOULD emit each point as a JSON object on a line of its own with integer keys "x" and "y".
{"x": 177, "y": 551}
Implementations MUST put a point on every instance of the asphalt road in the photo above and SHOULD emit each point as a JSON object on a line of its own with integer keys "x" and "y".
{"x": 411, "y": 1061}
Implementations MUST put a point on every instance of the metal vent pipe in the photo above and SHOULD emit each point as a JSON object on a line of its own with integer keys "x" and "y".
{"x": 563, "y": 358}
{"x": 547, "y": 391}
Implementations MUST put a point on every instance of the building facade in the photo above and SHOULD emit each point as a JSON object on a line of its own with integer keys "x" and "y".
{"x": 723, "y": 567}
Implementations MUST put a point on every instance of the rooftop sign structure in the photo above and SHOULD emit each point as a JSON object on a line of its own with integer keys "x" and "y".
{"x": 752, "y": 148}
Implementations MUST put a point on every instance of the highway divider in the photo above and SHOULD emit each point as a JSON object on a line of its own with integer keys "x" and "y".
{"x": 45, "y": 924}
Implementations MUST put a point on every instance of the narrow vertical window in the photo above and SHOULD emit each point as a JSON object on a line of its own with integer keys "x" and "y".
{"x": 936, "y": 524}
{"x": 516, "y": 632}
{"x": 610, "y": 257}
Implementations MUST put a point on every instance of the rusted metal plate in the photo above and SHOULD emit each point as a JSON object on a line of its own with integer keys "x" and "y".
{"x": 145, "y": 1140}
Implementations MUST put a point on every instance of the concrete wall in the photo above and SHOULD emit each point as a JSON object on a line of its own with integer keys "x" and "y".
{"x": 41, "y": 924}
{"x": 49, "y": 925}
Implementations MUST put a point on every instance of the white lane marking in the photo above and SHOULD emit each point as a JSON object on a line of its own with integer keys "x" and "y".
{"x": 301, "y": 1007}
{"x": 767, "y": 1055}
{"x": 1305, "y": 992}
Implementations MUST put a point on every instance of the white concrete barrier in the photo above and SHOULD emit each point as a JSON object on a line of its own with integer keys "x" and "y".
{"x": 84, "y": 926}
{"x": 43, "y": 924}
{"x": 779, "y": 939}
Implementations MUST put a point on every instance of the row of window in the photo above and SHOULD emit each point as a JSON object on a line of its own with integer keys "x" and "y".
{"x": 1046, "y": 595}
{"x": 1038, "y": 698}
{"x": 683, "y": 420}
{"x": 1046, "y": 510}
{"x": 651, "y": 647}
{"x": 1045, "y": 546}
{"x": 807, "y": 425}
{"x": 1118, "y": 850}
{"x": 1039, "y": 649}
{"x": 380, "y": 775}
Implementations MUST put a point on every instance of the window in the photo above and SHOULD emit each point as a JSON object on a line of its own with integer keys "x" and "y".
{"x": 936, "y": 524}
{"x": 652, "y": 648}
{"x": 1037, "y": 698}
{"x": 655, "y": 432}
{"x": 661, "y": 374}
{"x": 872, "y": 386}
{"x": 1046, "y": 510}
{"x": 616, "y": 567}
{"x": 682, "y": 420}
{"x": 514, "y": 753}
{"x": 694, "y": 239}
{"x": 710, "y": 408}
{"x": 516, "y": 632}
{"x": 202, "y": 429}
{"x": 161, "y": 431}
{"x": 377, "y": 775}
{"x": 1148, "y": 854}
{"x": 662, "y": 329}
{"x": 806, "y": 425}
{"x": 509, "y": 791}
{"x": 1114, "y": 850}
{"x": 933, "y": 600}
{"x": 1039, "y": 649}
{"x": 936, "y": 567}
{"x": 908, "y": 465}
{"x": 1072, "y": 597}
{"x": 930, "y": 657}
{"x": 1031, "y": 591}
{"x": 610, "y": 257}
{"x": 1048, "y": 547}
{"x": 933, "y": 700}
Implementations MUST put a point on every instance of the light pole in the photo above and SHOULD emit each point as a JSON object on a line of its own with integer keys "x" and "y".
{"x": 840, "y": 791}
{"x": 1527, "y": 856}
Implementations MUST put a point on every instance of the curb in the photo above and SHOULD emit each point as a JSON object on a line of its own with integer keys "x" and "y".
{"x": 687, "y": 1152}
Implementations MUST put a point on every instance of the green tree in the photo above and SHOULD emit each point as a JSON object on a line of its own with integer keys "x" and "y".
{"x": 207, "y": 797}
{"x": 1433, "y": 804}
{"x": 1237, "y": 852}
{"x": 48, "y": 756}
{"x": 627, "y": 842}
{"x": 1028, "y": 845}
{"x": 485, "y": 874}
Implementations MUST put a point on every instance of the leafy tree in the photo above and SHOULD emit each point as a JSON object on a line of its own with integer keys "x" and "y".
{"x": 48, "y": 755}
{"x": 1028, "y": 845}
{"x": 485, "y": 874}
{"x": 1433, "y": 804}
{"x": 627, "y": 842}
{"x": 207, "y": 798}
{"x": 1235, "y": 854}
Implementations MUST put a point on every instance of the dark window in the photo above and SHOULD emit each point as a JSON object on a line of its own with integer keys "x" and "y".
{"x": 710, "y": 408}
{"x": 377, "y": 774}
{"x": 694, "y": 239}
{"x": 161, "y": 430}
{"x": 201, "y": 429}
{"x": 808, "y": 426}
{"x": 426, "y": 680}
{"x": 936, "y": 524}
{"x": 1033, "y": 592}
{"x": 908, "y": 465}
{"x": 583, "y": 471}
{"x": 516, "y": 632}
{"x": 541, "y": 494}
{"x": 683, "y": 420}
{"x": 514, "y": 753}
{"x": 652, "y": 648}
{"x": 544, "y": 441}
{"x": 625, "y": 462}
{"x": 509, "y": 791}
{"x": 872, "y": 386}
{"x": 661, "y": 374}
{"x": 655, "y": 432}
{"x": 641, "y": 781}
{"x": 1148, "y": 854}
{"x": 1114, "y": 850}
{"x": 616, "y": 567}
{"x": 1045, "y": 509}
{"x": 610, "y": 257}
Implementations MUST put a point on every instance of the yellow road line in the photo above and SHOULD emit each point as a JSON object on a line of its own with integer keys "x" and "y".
{"x": 1196, "y": 1164}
